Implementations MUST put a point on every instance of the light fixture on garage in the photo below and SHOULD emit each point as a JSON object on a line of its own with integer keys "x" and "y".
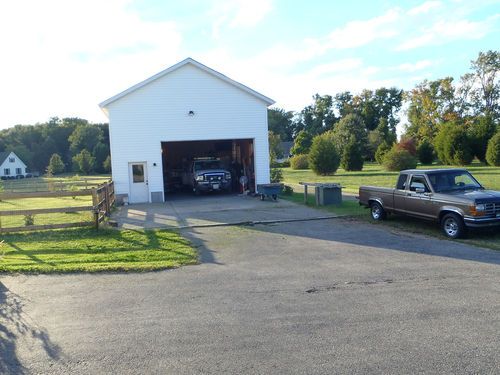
{"x": 191, "y": 113}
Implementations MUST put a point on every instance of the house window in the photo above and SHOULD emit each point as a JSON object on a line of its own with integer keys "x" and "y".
{"x": 6, "y": 171}
{"x": 19, "y": 171}
{"x": 12, "y": 160}
{"x": 25, "y": 170}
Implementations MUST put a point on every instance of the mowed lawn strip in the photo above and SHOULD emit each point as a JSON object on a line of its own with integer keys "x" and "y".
{"x": 46, "y": 202}
{"x": 374, "y": 175}
{"x": 88, "y": 250}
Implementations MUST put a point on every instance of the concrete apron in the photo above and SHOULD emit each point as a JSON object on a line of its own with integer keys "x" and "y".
{"x": 213, "y": 210}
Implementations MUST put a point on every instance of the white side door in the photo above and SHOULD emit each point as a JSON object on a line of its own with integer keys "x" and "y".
{"x": 138, "y": 181}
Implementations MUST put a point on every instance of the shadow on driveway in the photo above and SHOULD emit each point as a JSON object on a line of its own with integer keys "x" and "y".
{"x": 15, "y": 326}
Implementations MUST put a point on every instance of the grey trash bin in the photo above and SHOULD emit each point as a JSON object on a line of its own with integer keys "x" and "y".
{"x": 328, "y": 194}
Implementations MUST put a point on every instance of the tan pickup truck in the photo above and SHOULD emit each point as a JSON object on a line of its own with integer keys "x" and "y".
{"x": 451, "y": 197}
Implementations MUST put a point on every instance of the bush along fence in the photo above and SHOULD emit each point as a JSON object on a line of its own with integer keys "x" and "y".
{"x": 30, "y": 211}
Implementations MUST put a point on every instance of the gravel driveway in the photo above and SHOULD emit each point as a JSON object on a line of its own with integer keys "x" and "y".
{"x": 317, "y": 297}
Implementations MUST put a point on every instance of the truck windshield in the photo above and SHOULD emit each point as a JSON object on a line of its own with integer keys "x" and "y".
{"x": 201, "y": 165}
{"x": 453, "y": 180}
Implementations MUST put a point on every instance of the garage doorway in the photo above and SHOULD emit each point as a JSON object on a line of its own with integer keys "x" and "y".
{"x": 236, "y": 155}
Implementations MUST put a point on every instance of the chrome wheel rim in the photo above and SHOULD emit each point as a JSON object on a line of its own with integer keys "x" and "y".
{"x": 376, "y": 212}
{"x": 451, "y": 227}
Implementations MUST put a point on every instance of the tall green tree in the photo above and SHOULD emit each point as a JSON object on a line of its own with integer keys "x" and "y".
{"x": 84, "y": 162}
{"x": 350, "y": 138}
{"x": 302, "y": 143}
{"x": 281, "y": 122}
{"x": 318, "y": 117}
{"x": 85, "y": 136}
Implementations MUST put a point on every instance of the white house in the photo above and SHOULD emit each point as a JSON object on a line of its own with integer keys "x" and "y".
{"x": 11, "y": 165}
{"x": 185, "y": 111}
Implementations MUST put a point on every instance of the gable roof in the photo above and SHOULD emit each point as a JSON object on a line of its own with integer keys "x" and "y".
{"x": 195, "y": 63}
{"x": 5, "y": 154}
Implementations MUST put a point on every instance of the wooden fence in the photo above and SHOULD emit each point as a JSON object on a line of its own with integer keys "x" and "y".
{"x": 103, "y": 199}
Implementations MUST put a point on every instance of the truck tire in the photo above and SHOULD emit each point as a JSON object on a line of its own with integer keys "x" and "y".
{"x": 453, "y": 226}
{"x": 377, "y": 211}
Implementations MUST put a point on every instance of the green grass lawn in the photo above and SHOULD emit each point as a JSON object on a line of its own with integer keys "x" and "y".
{"x": 52, "y": 218}
{"x": 87, "y": 250}
{"x": 373, "y": 174}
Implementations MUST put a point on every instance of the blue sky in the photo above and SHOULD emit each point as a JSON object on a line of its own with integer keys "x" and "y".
{"x": 61, "y": 58}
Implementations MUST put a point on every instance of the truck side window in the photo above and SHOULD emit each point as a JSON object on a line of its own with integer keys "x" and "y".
{"x": 418, "y": 182}
{"x": 401, "y": 185}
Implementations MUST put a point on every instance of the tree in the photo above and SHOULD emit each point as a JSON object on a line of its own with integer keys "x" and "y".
{"x": 85, "y": 136}
{"x": 382, "y": 150}
{"x": 302, "y": 143}
{"x": 323, "y": 157}
{"x": 486, "y": 95}
{"x": 493, "y": 152}
{"x": 398, "y": 159}
{"x": 351, "y": 158}
{"x": 107, "y": 164}
{"x": 56, "y": 165}
{"x": 408, "y": 144}
{"x": 452, "y": 145}
{"x": 100, "y": 153}
{"x": 479, "y": 133}
{"x": 318, "y": 117}
{"x": 425, "y": 152}
{"x": 280, "y": 122}
{"x": 350, "y": 132}
{"x": 275, "y": 150}
{"x": 84, "y": 162}
{"x": 431, "y": 104}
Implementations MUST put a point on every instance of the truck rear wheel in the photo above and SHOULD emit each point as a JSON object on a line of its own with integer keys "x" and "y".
{"x": 377, "y": 211}
{"x": 453, "y": 226}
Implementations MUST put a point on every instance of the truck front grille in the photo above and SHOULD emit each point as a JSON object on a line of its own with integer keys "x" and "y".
{"x": 214, "y": 177}
{"x": 492, "y": 209}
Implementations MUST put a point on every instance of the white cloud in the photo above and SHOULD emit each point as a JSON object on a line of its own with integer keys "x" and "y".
{"x": 413, "y": 67}
{"x": 359, "y": 33}
{"x": 445, "y": 31}
{"x": 238, "y": 14}
{"x": 424, "y": 8}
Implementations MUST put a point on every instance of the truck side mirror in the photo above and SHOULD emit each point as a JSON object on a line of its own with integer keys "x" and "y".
{"x": 420, "y": 190}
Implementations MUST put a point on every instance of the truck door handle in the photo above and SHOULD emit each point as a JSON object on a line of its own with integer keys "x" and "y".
{"x": 408, "y": 194}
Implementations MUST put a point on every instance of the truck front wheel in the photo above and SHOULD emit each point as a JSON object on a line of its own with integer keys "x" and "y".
{"x": 453, "y": 226}
{"x": 377, "y": 211}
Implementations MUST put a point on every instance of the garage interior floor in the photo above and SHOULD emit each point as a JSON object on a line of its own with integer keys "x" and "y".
{"x": 182, "y": 211}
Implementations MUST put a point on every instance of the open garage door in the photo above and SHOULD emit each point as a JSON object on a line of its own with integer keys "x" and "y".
{"x": 235, "y": 155}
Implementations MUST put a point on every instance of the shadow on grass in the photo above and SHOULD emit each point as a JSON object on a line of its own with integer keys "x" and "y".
{"x": 14, "y": 326}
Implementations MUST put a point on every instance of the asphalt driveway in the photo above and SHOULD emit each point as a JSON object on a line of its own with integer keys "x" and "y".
{"x": 317, "y": 297}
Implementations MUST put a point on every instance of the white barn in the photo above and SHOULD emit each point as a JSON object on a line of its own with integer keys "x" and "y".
{"x": 11, "y": 165}
{"x": 185, "y": 111}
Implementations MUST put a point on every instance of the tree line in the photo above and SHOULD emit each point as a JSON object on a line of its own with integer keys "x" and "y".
{"x": 60, "y": 145}
{"x": 453, "y": 122}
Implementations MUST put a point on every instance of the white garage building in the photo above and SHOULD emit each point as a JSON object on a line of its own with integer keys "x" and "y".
{"x": 184, "y": 112}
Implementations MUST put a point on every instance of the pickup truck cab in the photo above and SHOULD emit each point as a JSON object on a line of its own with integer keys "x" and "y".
{"x": 451, "y": 197}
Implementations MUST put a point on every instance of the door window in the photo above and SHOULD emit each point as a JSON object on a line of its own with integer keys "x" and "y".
{"x": 137, "y": 173}
{"x": 401, "y": 185}
{"x": 418, "y": 182}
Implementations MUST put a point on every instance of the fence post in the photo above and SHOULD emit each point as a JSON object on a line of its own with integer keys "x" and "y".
{"x": 106, "y": 198}
{"x": 95, "y": 201}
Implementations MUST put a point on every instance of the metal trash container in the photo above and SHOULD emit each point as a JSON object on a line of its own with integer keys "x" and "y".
{"x": 328, "y": 194}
